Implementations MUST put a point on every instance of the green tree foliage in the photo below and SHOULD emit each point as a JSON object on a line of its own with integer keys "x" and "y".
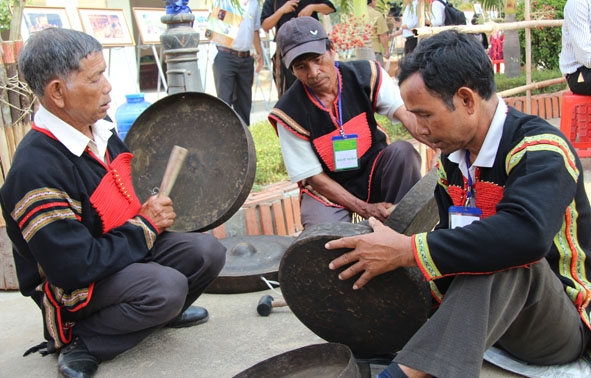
{"x": 5, "y": 15}
{"x": 545, "y": 42}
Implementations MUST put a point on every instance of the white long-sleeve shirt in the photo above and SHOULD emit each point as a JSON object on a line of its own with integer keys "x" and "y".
{"x": 437, "y": 13}
{"x": 410, "y": 19}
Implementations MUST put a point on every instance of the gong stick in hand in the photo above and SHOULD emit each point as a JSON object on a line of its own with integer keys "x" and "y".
{"x": 173, "y": 167}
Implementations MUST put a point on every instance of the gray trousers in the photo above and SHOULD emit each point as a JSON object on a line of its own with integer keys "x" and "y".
{"x": 233, "y": 77}
{"x": 130, "y": 304}
{"x": 396, "y": 170}
{"x": 524, "y": 311}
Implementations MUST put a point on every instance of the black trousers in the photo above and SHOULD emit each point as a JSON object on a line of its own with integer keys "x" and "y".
{"x": 410, "y": 44}
{"x": 233, "y": 77}
{"x": 396, "y": 171}
{"x": 132, "y": 303}
{"x": 579, "y": 82}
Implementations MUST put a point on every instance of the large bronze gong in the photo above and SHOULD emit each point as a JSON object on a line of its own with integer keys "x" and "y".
{"x": 219, "y": 170}
{"x": 382, "y": 316}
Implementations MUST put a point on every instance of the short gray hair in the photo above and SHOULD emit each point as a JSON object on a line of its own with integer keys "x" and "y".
{"x": 54, "y": 53}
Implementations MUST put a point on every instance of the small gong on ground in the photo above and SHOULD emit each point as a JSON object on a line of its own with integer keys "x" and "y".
{"x": 248, "y": 258}
{"x": 329, "y": 360}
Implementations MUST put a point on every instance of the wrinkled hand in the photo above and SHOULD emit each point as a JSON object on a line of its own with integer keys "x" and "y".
{"x": 159, "y": 209}
{"x": 379, "y": 210}
{"x": 373, "y": 254}
{"x": 289, "y": 6}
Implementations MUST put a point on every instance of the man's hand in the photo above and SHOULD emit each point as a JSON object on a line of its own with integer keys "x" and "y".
{"x": 373, "y": 254}
{"x": 259, "y": 67}
{"x": 289, "y": 6}
{"x": 159, "y": 209}
{"x": 380, "y": 211}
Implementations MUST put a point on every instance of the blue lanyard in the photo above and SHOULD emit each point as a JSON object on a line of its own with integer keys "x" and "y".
{"x": 470, "y": 200}
{"x": 339, "y": 120}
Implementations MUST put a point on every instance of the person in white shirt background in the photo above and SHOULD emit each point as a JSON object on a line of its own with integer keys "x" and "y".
{"x": 575, "y": 57}
{"x": 410, "y": 20}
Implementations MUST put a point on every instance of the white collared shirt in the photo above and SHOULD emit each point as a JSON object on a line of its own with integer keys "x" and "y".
{"x": 490, "y": 146}
{"x": 73, "y": 139}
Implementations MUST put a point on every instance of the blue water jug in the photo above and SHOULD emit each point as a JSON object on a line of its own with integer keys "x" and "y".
{"x": 127, "y": 113}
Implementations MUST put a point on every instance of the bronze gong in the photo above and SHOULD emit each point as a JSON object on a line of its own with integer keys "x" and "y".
{"x": 382, "y": 316}
{"x": 417, "y": 211}
{"x": 328, "y": 360}
{"x": 219, "y": 170}
{"x": 248, "y": 258}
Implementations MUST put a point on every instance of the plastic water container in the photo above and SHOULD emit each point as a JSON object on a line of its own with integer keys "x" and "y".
{"x": 127, "y": 113}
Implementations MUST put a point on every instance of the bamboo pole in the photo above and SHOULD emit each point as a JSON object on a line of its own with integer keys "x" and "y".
{"x": 11, "y": 49}
{"x": 4, "y": 103}
{"x": 489, "y": 27}
{"x": 523, "y": 88}
{"x": 4, "y": 153}
{"x": 527, "y": 58}
{"x": 15, "y": 22}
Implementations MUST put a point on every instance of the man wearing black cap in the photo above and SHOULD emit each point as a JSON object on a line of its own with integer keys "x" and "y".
{"x": 331, "y": 142}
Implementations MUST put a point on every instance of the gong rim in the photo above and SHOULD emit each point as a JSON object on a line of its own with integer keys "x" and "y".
{"x": 219, "y": 171}
{"x": 316, "y": 360}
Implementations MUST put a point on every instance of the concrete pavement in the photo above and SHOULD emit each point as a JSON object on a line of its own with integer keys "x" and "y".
{"x": 234, "y": 339}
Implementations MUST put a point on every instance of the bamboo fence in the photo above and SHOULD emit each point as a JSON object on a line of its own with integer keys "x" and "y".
{"x": 16, "y": 105}
{"x": 16, "y": 108}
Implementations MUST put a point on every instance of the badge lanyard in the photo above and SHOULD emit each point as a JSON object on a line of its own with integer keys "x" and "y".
{"x": 470, "y": 200}
{"x": 344, "y": 145}
{"x": 460, "y": 216}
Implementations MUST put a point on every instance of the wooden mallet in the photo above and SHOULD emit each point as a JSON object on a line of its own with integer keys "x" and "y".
{"x": 173, "y": 167}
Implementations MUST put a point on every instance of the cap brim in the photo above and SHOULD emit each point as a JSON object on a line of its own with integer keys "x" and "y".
{"x": 313, "y": 47}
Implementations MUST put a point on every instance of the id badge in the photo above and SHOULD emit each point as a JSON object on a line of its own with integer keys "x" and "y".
{"x": 345, "y": 152}
{"x": 460, "y": 216}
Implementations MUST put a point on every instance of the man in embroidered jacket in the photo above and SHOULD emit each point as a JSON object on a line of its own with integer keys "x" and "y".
{"x": 333, "y": 99}
{"x": 517, "y": 277}
{"x": 97, "y": 262}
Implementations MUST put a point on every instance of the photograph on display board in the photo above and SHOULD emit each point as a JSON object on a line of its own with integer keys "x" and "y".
{"x": 109, "y": 26}
{"x": 39, "y": 18}
{"x": 149, "y": 24}
{"x": 200, "y": 24}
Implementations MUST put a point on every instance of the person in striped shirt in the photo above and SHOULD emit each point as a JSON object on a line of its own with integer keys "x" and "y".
{"x": 575, "y": 56}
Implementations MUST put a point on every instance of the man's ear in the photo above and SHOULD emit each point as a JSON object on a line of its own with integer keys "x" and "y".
{"x": 466, "y": 96}
{"x": 55, "y": 92}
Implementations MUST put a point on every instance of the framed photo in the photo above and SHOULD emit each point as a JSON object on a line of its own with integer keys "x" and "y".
{"x": 149, "y": 24}
{"x": 39, "y": 18}
{"x": 477, "y": 8}
{"x": 109, "y": 26}
{"x": 200, "y": 24}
